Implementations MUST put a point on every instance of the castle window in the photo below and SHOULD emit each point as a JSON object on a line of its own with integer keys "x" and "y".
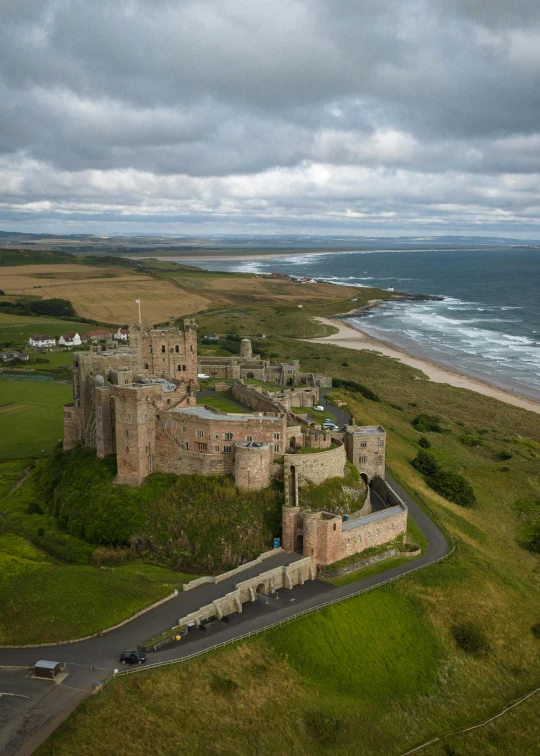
{"x": 175, "y": 439}
{"x": 163, "y": 348}
{"x": 165, "y": 424}
{"x": 174, "y": 424}
{"x": 363, "y": 444}
{"x": 276, "y": 436}
{"x": 276, "y": 447}
{"x": 228, "y": 436}
{"x": 146, "y": 366}
{"x": 377, "y": 532}
{"x": 179, "y": 368}
{"x": 177, "y": 349}
{"x": 216, "y": 448}
{"x": 184, "y": 429}
{"x": 201, "y": 447}
{"x": 363, "y": 460}
{"x": 369, "y": 535}
{"x": 249, "y": 438}
{"x": 227, "y": 449}
{"x": 200, "y": 434}
{"x": 127, "y": 448}
{"x": 192, "y": 347}
{"x": 150, "y": 348}
{"x": 358, "y": 539}
{"x": 334, "y": 526}
{"x": 216, "y": 435}
{"x": 183, "y": 368}
{"x": 168, "y": 401}
{"x": 348, "y": 541}
{"x": 186, "y": 445}
{"x": 381, "y": 442}
{"x": 127, "y": 434}
{"x": 68, "y": 414}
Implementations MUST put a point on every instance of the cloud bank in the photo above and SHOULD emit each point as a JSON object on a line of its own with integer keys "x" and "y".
{"x": 380, "y": 116}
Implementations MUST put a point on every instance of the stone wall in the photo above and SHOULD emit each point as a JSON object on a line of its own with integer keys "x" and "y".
{"x": 265, "y": 583}
{"x": 73, "y": 418}
{"x": 253, "y": 397}
{"x": 315, "y": 468}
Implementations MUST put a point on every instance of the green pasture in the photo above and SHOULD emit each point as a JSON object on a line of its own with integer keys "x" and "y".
{"x": 31, "y": 417}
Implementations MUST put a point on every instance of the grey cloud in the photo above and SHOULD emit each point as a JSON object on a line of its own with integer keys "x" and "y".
{"x": 192, "y": 92}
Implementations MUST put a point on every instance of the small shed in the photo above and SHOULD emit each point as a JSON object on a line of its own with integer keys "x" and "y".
{"x": 47, "y": 669}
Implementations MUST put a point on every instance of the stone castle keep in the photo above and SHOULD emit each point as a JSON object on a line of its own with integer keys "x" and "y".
{"x": 139, "y": 402}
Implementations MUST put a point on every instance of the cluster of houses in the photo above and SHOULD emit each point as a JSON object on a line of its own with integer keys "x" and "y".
{"x": 44, "y": 341}
{"x": 287, "y": 277}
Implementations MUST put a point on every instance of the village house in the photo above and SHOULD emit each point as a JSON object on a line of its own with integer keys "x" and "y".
{"x": 69, "y": 340}
{"x": 8, "y": 356}
{"x": 95, "y": 336}
{"x": 122, "y": 334}
{"x": 42, "y": 341}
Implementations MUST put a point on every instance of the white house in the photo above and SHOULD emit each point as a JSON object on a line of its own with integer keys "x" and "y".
{"x": 69, "y": 339}
{"x": 122, "y": 334}
{"x": 42, "y": 340}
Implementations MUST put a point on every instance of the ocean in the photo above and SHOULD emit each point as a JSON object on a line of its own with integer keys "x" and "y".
{"x": 487, "y": 325}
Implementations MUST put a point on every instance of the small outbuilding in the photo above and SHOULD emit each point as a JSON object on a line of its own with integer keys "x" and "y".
{"x": 47, "y": 669}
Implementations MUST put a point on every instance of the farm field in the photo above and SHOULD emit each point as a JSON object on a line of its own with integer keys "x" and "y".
{"x": 31, "y": 416}
{"x": 107, "y": 294}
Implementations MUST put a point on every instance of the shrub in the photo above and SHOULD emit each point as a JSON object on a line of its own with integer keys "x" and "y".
{"x": 424, "y": 442}
{"x": 425, "y": 463}
{"x": 396, "y": 406}
{"x": 34, "y": 508}
{"x": 364, "y": 391}
{"x": 452, "y": 486}
{"x": 468, "y": 440}
{"x": 224, "y": 685}
{"x": 504, "y": 455}
{"x": 470, "y": 638}
{"x": 529, "y": 537}
{"x": 326, "y": 729}
{"x": 535, "y": 630}
{"x": 427, "y": 424}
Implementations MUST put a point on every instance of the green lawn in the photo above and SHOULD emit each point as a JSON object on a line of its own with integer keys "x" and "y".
{"x": 32, "y": 418}
{"x": 372, "y": 569}
{"x": 223, "y": 404}
{"x": 156, "y": 573}
{"x": 57, "y": 603}
{"x": 314, "y": 414}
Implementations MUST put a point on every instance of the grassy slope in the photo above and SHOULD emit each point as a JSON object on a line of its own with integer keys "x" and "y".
{"x": 32, "y": 421}
{"x": 490, "y": 580}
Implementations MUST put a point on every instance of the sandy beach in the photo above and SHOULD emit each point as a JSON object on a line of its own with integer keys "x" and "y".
{"x": 351, "y": 338}
{"x": 248, "y": 256}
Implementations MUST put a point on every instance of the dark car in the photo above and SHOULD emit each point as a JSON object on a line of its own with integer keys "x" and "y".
{"x": 132, "y": 657}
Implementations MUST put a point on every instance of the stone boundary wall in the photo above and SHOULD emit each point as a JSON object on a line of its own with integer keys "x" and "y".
{"x": 255, "y": 399}
{"x": 280, "y": 577}
{"x": 225, "y": 575}
{"x": 326, "y": 572}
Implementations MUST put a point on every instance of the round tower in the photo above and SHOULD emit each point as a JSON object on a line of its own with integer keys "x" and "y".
{"x": 245, "y": 349}
{"x": 252, "y": 463}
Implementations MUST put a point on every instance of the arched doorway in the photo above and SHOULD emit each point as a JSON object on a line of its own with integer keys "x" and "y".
{"x": 261, "y": 589}
{"x": 364, "y": 478}
{"x": 292, "y": 443}
{"x": 299, "y": 544}
{"x": 250, "y": 375}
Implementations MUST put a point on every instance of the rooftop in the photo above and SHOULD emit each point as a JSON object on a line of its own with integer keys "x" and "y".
{"x": 206, "y": 413}
{"x": 368, "y": 429}
{"x": 374, "y": 517}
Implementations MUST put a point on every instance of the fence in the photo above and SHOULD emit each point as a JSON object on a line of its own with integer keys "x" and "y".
{"x": 296, "y": 615}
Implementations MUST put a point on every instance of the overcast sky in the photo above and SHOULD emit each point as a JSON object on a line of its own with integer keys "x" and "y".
{"x": 316, "y": 116}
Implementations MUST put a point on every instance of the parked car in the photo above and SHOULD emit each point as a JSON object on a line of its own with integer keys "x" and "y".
{"x": 319, "y": 408}
{"x": 132, "y": 657}
{"x": 329, "y": 425}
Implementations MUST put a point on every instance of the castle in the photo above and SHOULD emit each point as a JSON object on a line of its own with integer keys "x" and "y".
{"x": 139, "y": 402}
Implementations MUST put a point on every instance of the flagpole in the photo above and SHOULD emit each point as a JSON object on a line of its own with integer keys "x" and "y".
{"x": 139, "y": 304}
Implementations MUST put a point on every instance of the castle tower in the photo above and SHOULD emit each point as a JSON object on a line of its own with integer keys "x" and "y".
{"x": 169, "y": 351}
{"x": 246, "y": 351}
{"x": 289, "y": 524}
{"x": 252, "y": 465}
{"x": 366, "y": 449}
{"x": 135, "y": 432}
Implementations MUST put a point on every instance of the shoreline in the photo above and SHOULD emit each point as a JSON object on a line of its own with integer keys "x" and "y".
{"x": 353, "y": 338}
{"x": 247, "y": 257}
